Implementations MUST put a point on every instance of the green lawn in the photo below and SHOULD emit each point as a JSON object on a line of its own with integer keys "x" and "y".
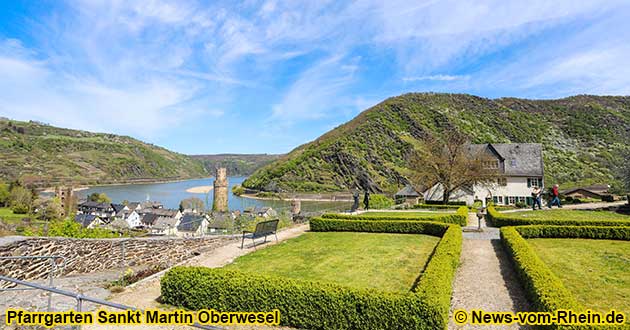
{"x": 390, "y": 262}
{"x": 7, "y": 215}
{"x": 557, "y": 214}
{"x": 597, "y": 272}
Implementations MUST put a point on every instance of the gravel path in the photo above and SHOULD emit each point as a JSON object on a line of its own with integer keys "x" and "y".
{"x": 485, "y": 278}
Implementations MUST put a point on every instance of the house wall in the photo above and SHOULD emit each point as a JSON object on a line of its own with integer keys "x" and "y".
{"x": 516, "y": 187}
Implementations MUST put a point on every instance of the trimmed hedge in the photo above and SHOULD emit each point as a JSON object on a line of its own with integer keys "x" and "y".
{"x": 459, "y": 218}
{"x": 318, "y": 305}
{"x": 543, "y": 288}
{"x": 379, "y": 226}
{"x": 592, "y": 232}
{"x": 436, "y": 206}
{"x": 497, "y": 219}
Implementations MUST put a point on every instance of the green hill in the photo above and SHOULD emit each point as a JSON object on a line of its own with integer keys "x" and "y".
{"x": 236, "y": 164}
{"x": 45, "y": 155}
{"x": 583, "y": 138}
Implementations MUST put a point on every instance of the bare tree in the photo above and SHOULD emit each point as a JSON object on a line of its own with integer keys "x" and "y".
{"x": 449, "y": 162}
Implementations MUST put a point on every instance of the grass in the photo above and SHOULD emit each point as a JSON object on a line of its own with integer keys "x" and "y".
{"x": 557, "y": 214}
{"x": 7, "y": 216}
{"x": 595, "y": 271}
{"x": 390, "y": 262}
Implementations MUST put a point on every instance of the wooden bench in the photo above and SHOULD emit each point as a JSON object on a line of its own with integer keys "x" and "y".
{"x": 263, "y": 229}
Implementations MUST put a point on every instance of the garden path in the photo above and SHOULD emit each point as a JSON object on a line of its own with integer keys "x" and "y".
{"x": 485, "y": 278}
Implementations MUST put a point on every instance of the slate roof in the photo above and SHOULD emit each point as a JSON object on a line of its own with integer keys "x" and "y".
{"x": 133, "y": 205}
{"x": 95, "y": 205}
{"x": 519, "y": 159}
{"x": 160, "y": 212}
{"x": 164, "y": 223}
{"x": 118, "y": 207}
{"x": 221, "y": 220}
{"x": 118, "y": 224}
{"x": 85, "y": 219}
{"x": 190, "y": 222}
{"x": 149, "y": 219}
{"x": 408, "y": 191}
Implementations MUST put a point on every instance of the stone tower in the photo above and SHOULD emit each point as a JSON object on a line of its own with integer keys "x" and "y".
{"x": 220, "y": 202}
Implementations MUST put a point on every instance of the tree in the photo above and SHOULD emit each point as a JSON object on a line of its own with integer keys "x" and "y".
{"x": 450, "y": 162}
{"x": 193, "y": 203}
{"x": 99, "y": 198}
{"x": 21, "y": 200}
{"x": 51, "y": 209}
{"x": 626, "y": 172}
{"x": 5, "y": 194}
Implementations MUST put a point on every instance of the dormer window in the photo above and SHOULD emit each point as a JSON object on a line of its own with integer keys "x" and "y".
{"x": 513, "y": 162}
{"x": 491, "y": 164}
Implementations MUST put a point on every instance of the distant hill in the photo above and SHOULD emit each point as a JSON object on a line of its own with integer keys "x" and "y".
{"x": 583, "y": 138}
{"x": 46, "y": 155}
{"x": 236, "y": 164}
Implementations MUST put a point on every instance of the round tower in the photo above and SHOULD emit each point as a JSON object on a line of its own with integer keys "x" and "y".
{"x": 220, "y": 202}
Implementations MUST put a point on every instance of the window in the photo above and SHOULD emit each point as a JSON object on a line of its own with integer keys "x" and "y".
{"x": 513, "y": 162}
{"x": 502, "y": 181}
{"x": 521, "y": 199}
{"x": 490, "y": 164}
{"x": 534, "y": 182}
{"x": 500, "y": 199}
{"x": 512, "y": 200}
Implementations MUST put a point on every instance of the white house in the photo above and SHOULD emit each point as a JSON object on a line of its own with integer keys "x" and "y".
{"x": 131, "y": 217}
{"x": 165, "y": 226}
{"x": 520, "y": 166}
{"x": 192, "y": 225}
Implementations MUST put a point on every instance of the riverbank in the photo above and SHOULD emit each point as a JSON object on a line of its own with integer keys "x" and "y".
{"x": 301, "y": 197}
{"x": 200, "y": 190}
{"x": 133, "y": 182}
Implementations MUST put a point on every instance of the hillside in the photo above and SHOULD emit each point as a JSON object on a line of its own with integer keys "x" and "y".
{"x": 236, "y": 164}
{"x": 46, "y": 155}
{"x": 583, "y": 138}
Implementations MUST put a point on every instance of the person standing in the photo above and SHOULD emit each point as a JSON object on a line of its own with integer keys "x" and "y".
{"x": 355, "y": 198}
{"x": 555, "y": 193}
{"x": 536, "y": 192}
{"x": 366, "y": 200}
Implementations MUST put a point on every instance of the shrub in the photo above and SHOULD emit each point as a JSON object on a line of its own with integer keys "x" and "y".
{"x": 608, "y": 198}
{"x": 20, "y": 209}
{"x": 379, "y": 226}
{"x": 380, "y": 202}
{"x": 497, "y": 219}
{"x": 543, "y": 289}
{"x": 318, "y": 305}
{"x": 459, "y": 218}
{"x": 436, "y": 206}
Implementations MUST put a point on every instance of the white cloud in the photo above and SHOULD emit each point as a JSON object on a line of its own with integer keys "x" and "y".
{"x": 437, "y": 77}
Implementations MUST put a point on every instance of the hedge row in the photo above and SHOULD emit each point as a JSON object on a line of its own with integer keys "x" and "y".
{"x": 543, "y": 288}
{"x": 497, "y": 219}
{"x": 458, "y": 218}
{"x": 436, "y": 207}
{"x": 380, "y": 226}
{"x": 317, "y": 305}
{"x": 593, "y": 232}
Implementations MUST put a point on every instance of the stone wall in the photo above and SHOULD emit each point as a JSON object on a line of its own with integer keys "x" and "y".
{"x": 93, "y": 255}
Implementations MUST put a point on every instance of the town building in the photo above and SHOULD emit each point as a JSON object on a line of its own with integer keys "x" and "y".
{"x": 520, "y": 168}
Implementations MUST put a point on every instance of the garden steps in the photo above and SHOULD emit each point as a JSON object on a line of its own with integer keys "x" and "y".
{"x": 485, "y": 278}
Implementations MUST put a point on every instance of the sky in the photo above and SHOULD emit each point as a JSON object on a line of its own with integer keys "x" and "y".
{"x": 204, "y": 77}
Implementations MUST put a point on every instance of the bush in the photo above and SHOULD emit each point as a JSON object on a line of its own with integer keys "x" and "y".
{"x": 436, "y": 207}
{"x": 380, "y": 202}
{"x": 520, "y": 205}
{"x": 20, "y": 209}
{"x": 497, "y": 219}
{"x": 543, "y": 289}
{"x": 459, "y": 218}
{"x": 317, "y": 305}
{"x": 608, "y": 198}
{"x": 456, "y": 203}
{"x": 592, "y": 232}
{"x": 379, "y": 226}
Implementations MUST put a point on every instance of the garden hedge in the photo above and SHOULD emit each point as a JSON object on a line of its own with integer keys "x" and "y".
{"x": 543, "y": 288}
{"x": 379, "y": 226}
{"x": 459, "y": 218}
{"x": 318, "y": 305}
{"x": 497, "y": 219}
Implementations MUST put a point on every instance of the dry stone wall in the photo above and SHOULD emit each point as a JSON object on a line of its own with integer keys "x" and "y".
{"x": 93, "y": 255}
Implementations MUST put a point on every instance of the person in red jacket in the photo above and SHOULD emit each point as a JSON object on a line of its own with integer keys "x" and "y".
{"x": 555, "y": 195}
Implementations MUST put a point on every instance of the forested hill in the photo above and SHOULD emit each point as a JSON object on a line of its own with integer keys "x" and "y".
{"x": 47, "y": 155}
{"x": 583, "y": 137}
{"x": 236, "y": 164}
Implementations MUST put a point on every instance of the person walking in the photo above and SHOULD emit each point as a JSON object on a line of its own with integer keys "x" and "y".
{"x": 536, "y": 192}
{"x": 366, "y": 200}
{"x": 555, "y": 195}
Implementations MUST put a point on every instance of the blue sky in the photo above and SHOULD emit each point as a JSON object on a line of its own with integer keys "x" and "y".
{"x": 266, "y": 76}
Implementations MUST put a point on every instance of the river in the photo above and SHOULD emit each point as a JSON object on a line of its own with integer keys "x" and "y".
{"x": 171, "y": 193}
